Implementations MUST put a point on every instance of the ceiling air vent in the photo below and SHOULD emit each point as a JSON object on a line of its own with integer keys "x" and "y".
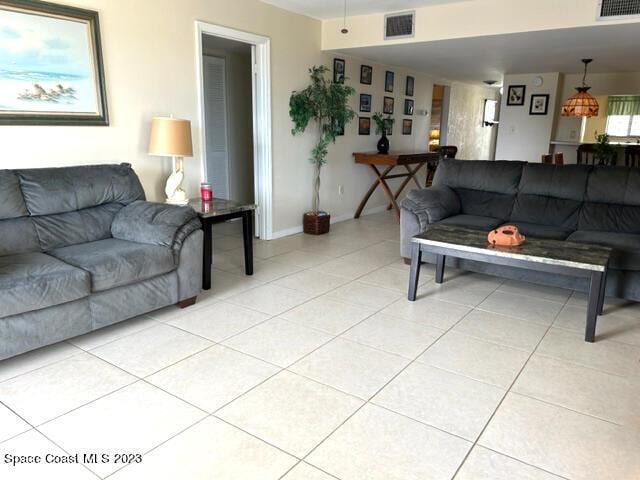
{"x": 399, "y": 25}
{"x": 618, "y": 8}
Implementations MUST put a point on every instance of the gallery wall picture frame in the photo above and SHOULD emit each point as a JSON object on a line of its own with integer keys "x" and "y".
{"x": 57, "y": 79}
{"x": 338, "y": 70}
{"x": 409, "y": 86}
{"x": 389, "y": 77}
{"x": 539, "y": 104}
{"x": 407, "y": 126}
{"x": 515, "y": 95}
{"x": 366, "y": 74}
{"x": 387, "y": 105}
{"x": 364, "y": 125}
{"x": 365, "y": 102}
{"x": 338, "y": 127}
{"x": 408, "y": 106}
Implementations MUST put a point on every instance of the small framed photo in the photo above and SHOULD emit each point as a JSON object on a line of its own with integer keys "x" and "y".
{"x": 408, "y": 91}
{"x": 408, "y": 106}
{"x": 366, "y": 74}
{"x": 364, "y": 126}
{"x": 539, "y": 104}
{"x": 515, "y": 95}
{"x": 407, "y": 126}
{"x": 388, "y": 81}
{"x": 365, "y": 102}
{"x": 338, "y": 128}
{"x": 387, "y": 105}
{"x": 338, "y": 70}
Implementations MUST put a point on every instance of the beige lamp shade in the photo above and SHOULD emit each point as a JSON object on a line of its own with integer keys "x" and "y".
{"x": 170, "y": 137}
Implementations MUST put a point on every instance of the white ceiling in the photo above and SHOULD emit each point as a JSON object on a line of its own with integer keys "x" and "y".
{"x": 614, "y": 48}
{"x": 325, "y": 9}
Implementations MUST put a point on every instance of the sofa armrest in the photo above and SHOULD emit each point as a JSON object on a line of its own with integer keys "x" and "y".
{"x": 155, "y": 223}
{"x": 432, "y": 204}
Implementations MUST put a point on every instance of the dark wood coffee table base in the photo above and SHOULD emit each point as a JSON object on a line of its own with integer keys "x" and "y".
{"x": 597, "y": 278}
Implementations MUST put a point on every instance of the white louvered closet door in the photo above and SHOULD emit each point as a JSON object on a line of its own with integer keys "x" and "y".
{"x": 215, "y": 112}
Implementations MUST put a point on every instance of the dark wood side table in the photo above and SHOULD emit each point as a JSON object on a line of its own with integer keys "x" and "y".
{"x": 216, "y": 211}
{"x": 389, "y": 161}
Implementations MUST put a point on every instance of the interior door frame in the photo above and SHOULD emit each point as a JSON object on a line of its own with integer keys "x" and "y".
{"x": 261, "y": 101}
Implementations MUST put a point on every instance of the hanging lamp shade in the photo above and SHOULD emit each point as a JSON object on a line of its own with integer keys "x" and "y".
{"x": 582, "y": 103}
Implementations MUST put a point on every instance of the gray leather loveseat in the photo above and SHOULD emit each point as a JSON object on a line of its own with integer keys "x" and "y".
{"x": 579, "y": 203}
{"x": 80, "y": 249}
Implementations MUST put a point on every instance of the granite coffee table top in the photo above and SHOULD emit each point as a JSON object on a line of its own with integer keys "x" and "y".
{"x": 585, "y": 256}
{"x": 219, "y": 206}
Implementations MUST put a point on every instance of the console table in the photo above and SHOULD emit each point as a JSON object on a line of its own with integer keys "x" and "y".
{"x": 220, "y": 210}
{"x": 411, "y": 161}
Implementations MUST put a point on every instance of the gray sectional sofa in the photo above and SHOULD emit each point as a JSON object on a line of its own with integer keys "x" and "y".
{"x": 80, "y": 249}
{"x": 579, "y": 203}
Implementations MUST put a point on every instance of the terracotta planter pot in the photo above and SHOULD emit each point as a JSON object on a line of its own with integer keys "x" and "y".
{"x": 316, "y": 223}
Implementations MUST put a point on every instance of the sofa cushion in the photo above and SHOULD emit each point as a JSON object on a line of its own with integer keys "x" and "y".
{"x": 612, "y": 201}
{"x": 484, "y": 188}
{"x": 71, "y": 228}
{"x": 113, "y": 262}
{"x": 477, "y": 222}
{"x": 542, "y": 231}
{"x": 551, "y": 195}
{"x": 31, "y": 281}
{"x": 626, "y": 247}
{"x": 11, "y": 201}
{"x": 18, "y": 235}
{"x": 57, "y": 190}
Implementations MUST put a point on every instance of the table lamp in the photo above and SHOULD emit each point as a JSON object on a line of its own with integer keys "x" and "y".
{"x": 171, "y": 137}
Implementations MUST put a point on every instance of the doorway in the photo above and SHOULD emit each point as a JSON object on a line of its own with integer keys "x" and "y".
{"x": 439, "y": 116}
{"x": 235, "y": 117}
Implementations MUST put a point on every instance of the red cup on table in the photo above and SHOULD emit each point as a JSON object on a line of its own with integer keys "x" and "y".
{"x": 206, "y": 192}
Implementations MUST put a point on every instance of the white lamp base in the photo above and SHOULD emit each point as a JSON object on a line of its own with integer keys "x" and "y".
{"x": 174, "y": 191}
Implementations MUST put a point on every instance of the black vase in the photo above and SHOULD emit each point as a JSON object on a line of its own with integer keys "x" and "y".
{"x": 383, "y": 144}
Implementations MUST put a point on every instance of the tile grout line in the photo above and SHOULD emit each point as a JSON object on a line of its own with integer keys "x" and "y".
{"x": 464, "y": 460}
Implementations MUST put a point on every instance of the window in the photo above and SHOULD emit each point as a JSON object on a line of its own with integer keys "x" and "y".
{"x": 623, "y": 116}
{"x": 623, "y": 125}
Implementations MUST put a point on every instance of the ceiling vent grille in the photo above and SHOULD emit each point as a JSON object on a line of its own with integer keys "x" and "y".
{"x": 399, "y": 25}
{"x": 618, "y": 8}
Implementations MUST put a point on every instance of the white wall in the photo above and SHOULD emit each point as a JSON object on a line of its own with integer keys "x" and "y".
{"x": 464, "y": 126}
{"x": 522, "y": 136}
{"x": 239, "y": 114}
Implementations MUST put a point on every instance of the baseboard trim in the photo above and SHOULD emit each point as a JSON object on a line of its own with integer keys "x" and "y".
{"x": 341, "y": 218}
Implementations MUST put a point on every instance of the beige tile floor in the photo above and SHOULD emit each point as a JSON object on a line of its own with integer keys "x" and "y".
{"x": 317, "y": 368}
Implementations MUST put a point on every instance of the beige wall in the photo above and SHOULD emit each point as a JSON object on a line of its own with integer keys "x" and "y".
{"x": 464, "y": 128}
{"x": 522, "y": 136}
{"x": 340, "y": 169}
{"x": 149, "y": 56}
{"x": 468, "y": 19}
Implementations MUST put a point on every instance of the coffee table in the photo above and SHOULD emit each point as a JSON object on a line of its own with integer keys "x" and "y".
{"x": 220, "y": 210}
{"x": 552, "y": 256}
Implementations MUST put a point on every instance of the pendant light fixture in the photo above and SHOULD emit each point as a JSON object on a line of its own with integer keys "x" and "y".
{"x": 582, "y": 104}
{"x": 344, "y": 30}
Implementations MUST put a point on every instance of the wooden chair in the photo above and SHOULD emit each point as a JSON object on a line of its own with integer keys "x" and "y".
{"x": 448, "y": 151}
{"x": 632, "y": 156}
{"x": 445, "y": 151}
{"x": 556, "y": 159}
{"x": 586, "y": 155}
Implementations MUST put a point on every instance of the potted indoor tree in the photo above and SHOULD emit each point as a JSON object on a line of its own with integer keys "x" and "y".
{"x": 605, "y": 153}
{"x": 325, "y": 103}
{"x": 383, "y": 126}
